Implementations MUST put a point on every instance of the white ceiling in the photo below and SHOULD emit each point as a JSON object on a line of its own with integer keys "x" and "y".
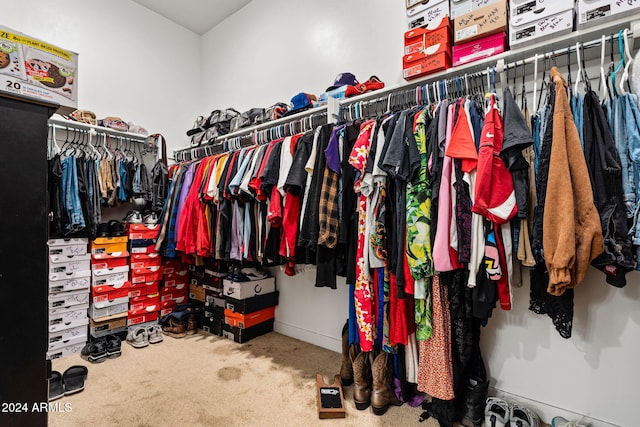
{"x": 198, "y": 16}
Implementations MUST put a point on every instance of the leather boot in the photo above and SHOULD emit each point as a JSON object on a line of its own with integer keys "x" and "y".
{"x": 361, "y": 378}
{"x": 346, "y": 368}
{"x": 382, "y": 395}
{"x": 474, "y": 402}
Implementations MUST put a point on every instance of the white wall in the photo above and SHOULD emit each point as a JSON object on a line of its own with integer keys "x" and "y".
{"x": 272, "y": 49}
{"x": 133, "y": 63}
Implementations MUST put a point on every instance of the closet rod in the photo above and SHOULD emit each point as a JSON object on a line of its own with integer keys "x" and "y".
{"x": 69, "y": 125}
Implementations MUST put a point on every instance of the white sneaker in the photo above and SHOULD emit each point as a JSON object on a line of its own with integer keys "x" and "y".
{"x": 563, "y": 422}
{"x": 496, "y": 412}
{"x": 154, "y": 333}
{"x": 521, "y": 416}
{"x": 138, "y": 338}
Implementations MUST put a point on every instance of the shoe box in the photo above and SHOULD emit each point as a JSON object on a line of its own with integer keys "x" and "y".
{"x": 432, "y": 39}
{"x": 145, "y": 260}
{"x": 242, "y": 290}
{"x": 462, "y": 7}
{"x": 69, "y": 263}
{"x": 109, "y": 245}
{"x": 65, "y": 351}
{"x": 145, "y": 246}
{"x": 213, "y": 326}
{"x": 148, "y": 302}
{"x": 422, "y": 14}
{"x": 110, "y": 293}
{"x": 108, "y": 325}
{"x": 144, "y": 288}
{"x": 179, "y": 277}
{"x": 110, "y": 276}
{"x": 64, "y": 300}
{"x": 252, "y": 304}
{"x": 146, "y": 274}
{"x": 248, "y": 320}
{"x": 243, "y": 335}
{"x": 75, "y": 281}
{"x": 137, "y": 317}
{"x": 196, "y": 292}
{"x": 110, "y": 308}
{"x": 537, "y": 20}
{"x": 479, "y": 49}
{"x": 68, "y": 247}
{"x": 174, "y": 266}
{"x": 71, "y": 317}
{"x": 57, "y": 341}
{"x": 481, "y": 22}
{"x": 594, "y": 12}
{"x": 109, "y": 261}
{"x": 143, "y": 231}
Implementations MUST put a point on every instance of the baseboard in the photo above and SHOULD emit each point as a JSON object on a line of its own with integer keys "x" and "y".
{"x": 306, "y": 335}
{"x": 547, "y": 411}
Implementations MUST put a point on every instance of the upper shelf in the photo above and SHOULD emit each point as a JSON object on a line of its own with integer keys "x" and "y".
{"x": 59, "y": 120}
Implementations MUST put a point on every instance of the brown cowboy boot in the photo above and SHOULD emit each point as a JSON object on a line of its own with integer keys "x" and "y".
{"x": 346, "y": 368}
{"x": 382, "y": 394}
{"x": 361, "y": 378}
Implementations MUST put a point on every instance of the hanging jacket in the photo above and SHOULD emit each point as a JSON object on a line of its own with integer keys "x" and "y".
{"x": 605, "y": 171}
{"x": 572, "y": 235}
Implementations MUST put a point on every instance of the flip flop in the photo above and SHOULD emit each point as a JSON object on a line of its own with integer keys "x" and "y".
{"x": 74, "y": 378}
{"x": 56, "y": 390}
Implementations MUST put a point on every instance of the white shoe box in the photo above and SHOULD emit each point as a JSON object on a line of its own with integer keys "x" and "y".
{"x": 78, "y": 339}
{"x": 65, "y": 351}
{"x": 70, "y": 318}
{"x": 68, "y": 299}
{"x": 526, "y": 11}
{"x": 60, "y": 338}
{"x": 541, "y": 29}
{"x": 63, "y": 282}
{"x": 422, "y": 15}
{"x": 242, "y": 290}
{"x": 594, "y": 12}
{"x": 77, "y": 246}
{"x": 69, "y": 263}
{"x": 462, "y": 7}
{"x": 109, "y": 308}
{"x": 111, "y": 276}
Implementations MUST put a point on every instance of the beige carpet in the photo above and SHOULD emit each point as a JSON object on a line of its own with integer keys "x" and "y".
{"x": 205, "y": 380}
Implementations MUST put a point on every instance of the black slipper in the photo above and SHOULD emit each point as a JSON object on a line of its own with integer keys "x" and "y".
{"x": 56, "y": 390}
{"x": 74, "y": 379}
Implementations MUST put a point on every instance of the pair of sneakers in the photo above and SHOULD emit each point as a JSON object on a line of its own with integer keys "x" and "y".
{"x": 144, "y": 335}
{"x": 101, "y": 349}
{"x": 135, "y": 217}
{"x": 500, "y": 413}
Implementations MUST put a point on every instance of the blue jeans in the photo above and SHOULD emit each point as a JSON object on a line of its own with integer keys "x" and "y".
{"x": 70, "y": 196}
{"x": 577, "y": 109}
{"x": 622, "y": 130}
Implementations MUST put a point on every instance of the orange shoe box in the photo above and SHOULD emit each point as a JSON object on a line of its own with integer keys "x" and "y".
{"x": 248, "y": 320}
{"x": 107, "y": 245}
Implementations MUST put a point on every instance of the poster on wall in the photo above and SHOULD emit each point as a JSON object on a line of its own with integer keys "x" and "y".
{"x": 37, "y": 69}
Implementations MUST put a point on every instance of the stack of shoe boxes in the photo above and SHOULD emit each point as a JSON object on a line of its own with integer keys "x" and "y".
{"x": 214, "y": 298}
{"x": 537, "y": 20}
{"x": 110, "y": 285}
{"x": 427, "y": 42}
{"x": 146, "y": 275}
{"x": 479, "y": 29}
{"x": 250, "y": 308}
{"x": 174, "y": 288}
{"x": 69, "y": 283}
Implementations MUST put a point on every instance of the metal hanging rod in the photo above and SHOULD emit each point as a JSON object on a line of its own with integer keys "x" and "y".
{"x": 71, "y": 125}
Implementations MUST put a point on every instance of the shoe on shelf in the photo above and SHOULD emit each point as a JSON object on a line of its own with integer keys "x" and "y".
{"x": 103, "y": 230}
{"x": 496, "y": 412}
{"x": 133, "y": 217}
{"x": 154, "y": 333}
{"x": 521, "y": 416}
{"x": 138, "y": 338}
{"x": 114, "y": 346}
{"x": 563, "y": 422}
{"x": 175, "y": 328}
{"x": 151, "y": 219}
{"x": 116, "y": 228}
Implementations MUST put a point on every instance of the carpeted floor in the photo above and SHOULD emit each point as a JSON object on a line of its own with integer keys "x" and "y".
{"x": 205, "y": 380}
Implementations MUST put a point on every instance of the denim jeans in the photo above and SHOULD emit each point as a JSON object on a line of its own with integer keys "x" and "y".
{"x": 577, "y": 109}
{"x": 620, "y": 135}
{"x": 70, "y": 196}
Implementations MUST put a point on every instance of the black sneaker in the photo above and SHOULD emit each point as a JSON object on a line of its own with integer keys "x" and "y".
{"x": 133, "y": 217}
{"x": 116, "y": 228}
{"x": 114, "y": 346}
{"x": 98, "y": 351}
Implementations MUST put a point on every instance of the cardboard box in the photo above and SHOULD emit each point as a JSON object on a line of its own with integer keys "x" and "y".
{"x": 212, "y": 325}
{"x": 101, "y": 310}
{"x": 544, "y": 28}
{"x": 422, "y": 15}
{"x": 143, "y": 247}
{"x": 242, "y": 290}
{"x": 57, "y": 344}
{"x": 111, "y": 276}
{"x": 65, "y": 351}
{"x": 111, "y": 297}
{"x": 180, "y": 277}
{"x": 39, "y": 70}
{"x": 69, "y": 263}
{"x": 115, "y": 289}
{"x": 143, "y": 231}
{"x": 66, "y": 335}
{"x": 594, "y": 12}
{"x": 68, "y": 299}
{"x": 108, "y": 325}
{"x": 113, "y": 261}
{"x": 525, "y": 11}
{"x": 243, "y": 335}
{"x": 147, "y": 274}
{"x": 256, "y": 303}
{"x": 109, "y": 245}
{"x": 145, "y": 302}
{"x": 214, "y": 312}
{"x": 435, "y": 40}
{"x": 420, "y": 64}
{"x": 65, "y": 319}
{"x": 137, "y": 317}
{"x": 196, "y": 292}
{"x": 73, "y": 246}
{"x": 63, "y": 282}
{"x": 147, "y": 288}
{"x": 145, "y": 260}
{"x": 177, "y": 298}
{"x": 461, "y": 7}
{"x": 176, "y": 288}
{"x": 247, "y": 320}
{"x": 481, "y": 22}
{"x": 479, "y": 49}
{"x": 214, "y": 300}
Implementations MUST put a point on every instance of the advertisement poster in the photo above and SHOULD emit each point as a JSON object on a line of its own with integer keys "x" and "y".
{"x": 37, "y": 69}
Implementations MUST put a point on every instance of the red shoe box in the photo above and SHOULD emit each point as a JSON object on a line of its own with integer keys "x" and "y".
{"x": 104, "y": 262}
{"x": 145, "y": 302}
{"x": 176, "y": 277}
{"x": 179, "y": 299}
{"x": 145, "y": 288}
{"x": 420, "y": 39}
{"x": 178, "y": 289}
{"x": 136, "y": 317}
{"x": 105, "y": 293}
{"x": 421, "y": 64}
{"x": 143, "y": 232}
{"x": 148, "y": 274}
{"x": 145, "y": 260}
{"x": 479, "y": 49}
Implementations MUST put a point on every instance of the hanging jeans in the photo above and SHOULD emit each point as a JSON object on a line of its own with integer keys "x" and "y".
{"x": 70, "y": 196}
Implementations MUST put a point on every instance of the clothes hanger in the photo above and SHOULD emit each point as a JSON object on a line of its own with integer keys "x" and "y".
{"x": 603, "y": 79}
{"x": 585, "y": 77}
{"x": 579, "y": 74}
{"x": 620, "y": 64}
{"x": 629, "y": 59}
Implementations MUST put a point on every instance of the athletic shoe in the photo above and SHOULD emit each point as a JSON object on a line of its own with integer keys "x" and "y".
{"x": 154, "y": 333}
{"x": 563, "y": 422}
{"x": 521, "y": 416}
{"x": 133, "y": 217}
{"x": 138, "y": 338}
{"x": 114, "y": 346}
{"x": 98, "y": 351}
{"x": 496, "y": 412}
{"x": 151, "y": 219}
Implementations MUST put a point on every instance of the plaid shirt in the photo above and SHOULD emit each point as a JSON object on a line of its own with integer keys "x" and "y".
{"x": 328, "y": 215}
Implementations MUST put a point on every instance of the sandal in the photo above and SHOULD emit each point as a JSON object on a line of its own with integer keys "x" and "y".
{"x": 56, "y": 389}
{"x": 74, "y": 378}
